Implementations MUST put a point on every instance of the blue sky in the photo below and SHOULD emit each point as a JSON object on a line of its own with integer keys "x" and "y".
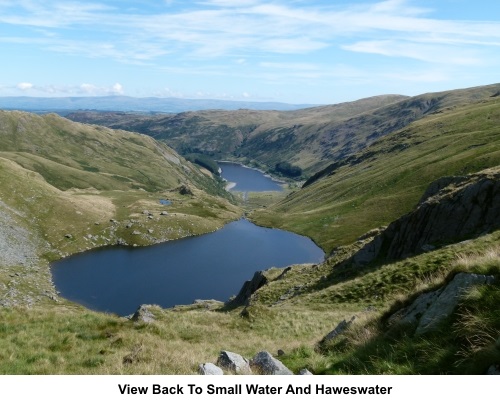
{"x": 291, "y": 51}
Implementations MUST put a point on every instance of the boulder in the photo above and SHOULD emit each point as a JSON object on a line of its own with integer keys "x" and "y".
{"x": 233, "y": 362}
{"x": 305, "y": 371}
{"x": 209, "y": 369}
{"x": 265, "y": 363}
{"x": 143, "y": 314}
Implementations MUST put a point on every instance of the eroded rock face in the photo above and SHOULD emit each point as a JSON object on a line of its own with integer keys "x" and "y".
{"x": 452, "y": 209}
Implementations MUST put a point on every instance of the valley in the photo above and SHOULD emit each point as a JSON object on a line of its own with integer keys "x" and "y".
{"x": 384, "y": 171}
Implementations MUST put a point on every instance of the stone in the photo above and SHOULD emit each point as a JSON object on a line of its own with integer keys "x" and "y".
{"x": 233, "y": 362}
{"x": 250, "y": 287}
{"x": 448, "y": 299}
{"x": 414, "y": 312}
{"x": 143, "y": 314}
{"x": 337, "y": 331}
{"x": 264, "y": 363}
{"x": 164, "y": 213}
{"x": 136, "y": 233}
{"x": 281, "y": 353}
{"x": 145, "y": 212}
{"x": 68, "y": 236}
{"x": 494, "y": 370}
{"x": 305, "y": 371}
{"x": 452, "y": 209}
{"x": 209, "y": 369}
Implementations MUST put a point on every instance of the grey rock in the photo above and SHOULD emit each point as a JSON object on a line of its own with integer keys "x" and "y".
{"x": 68, "y": 236}
{"x": 452, "y": 209}
{"x": 250, "y": 287}
{"x": 209, "y": 369}
{"x": 281, "y": 353}
{"x": 414, "y": 312}
{"x": 145, "y": 212}
{"x": 164, "y": 213}
{"x": 448, "y": 299}
{"x": 305, "y": 371}
{"x": 494, "y": 370}
{"x": 337, "y": 331}
{"x": 136, "y": 233}
{"x": 233, "y": 362}
{"x": 265, "y": 363}
{"x": 143, "y": 314}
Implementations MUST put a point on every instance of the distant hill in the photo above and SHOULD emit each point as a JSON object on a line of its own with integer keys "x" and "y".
{"x": 310, "y": 138}
{"x": 65, "y": 105}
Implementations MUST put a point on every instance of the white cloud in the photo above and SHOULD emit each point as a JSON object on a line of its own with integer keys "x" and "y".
{"x": 24, "y": 86}
{"x": 117, "y": 88}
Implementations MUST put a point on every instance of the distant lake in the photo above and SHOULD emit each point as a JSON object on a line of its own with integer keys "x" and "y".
{"x": 247, "y": 179}
{"x": 212, "y": 266}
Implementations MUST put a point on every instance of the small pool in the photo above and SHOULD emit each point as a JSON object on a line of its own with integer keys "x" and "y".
{"x": 165, "y": 202}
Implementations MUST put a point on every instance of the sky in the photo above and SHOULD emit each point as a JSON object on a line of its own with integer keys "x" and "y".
{"x": 314, "y": 52}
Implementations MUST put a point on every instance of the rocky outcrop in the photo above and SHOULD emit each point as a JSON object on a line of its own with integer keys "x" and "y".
{"x": 452, "y": 209}
{"x": 249, "y": 287}
{"x": 429, "y": 309}
{"x": 143, "y": 314}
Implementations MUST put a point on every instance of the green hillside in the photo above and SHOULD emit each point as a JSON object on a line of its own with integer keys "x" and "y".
{"x": 67, "y": 187}
{"x": 386, "y": 180}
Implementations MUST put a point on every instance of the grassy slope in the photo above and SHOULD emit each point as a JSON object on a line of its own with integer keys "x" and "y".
{"x": 387, "y": 179}
{"x": 52, "y": 204}
{"x": 296, "y": 310}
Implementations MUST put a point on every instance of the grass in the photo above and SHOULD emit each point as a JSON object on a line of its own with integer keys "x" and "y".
{"x": 43, "y": 334}
{"x": 384, "y": 181}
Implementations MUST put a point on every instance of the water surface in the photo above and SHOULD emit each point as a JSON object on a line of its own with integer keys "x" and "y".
{"x": 215, "y": 265}
{"x": 247, "y": 179}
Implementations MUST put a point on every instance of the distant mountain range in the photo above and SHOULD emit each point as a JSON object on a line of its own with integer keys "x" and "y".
{"x": 124, "y": 103}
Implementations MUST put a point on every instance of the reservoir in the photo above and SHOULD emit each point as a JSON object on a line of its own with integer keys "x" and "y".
{"x": 247, "y": 179}
{"x": 212, "y": 266}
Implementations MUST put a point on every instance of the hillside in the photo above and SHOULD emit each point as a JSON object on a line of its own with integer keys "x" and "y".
{"x": 408, "y": 221}
{"x": 68, "y": 187}
{"x": 386, "y": 180}
{"x": 308, "y": 138}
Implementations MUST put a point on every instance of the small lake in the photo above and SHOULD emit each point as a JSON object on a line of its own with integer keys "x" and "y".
{"x": 247, "y": 179}
{"x": 212, "y": 266}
